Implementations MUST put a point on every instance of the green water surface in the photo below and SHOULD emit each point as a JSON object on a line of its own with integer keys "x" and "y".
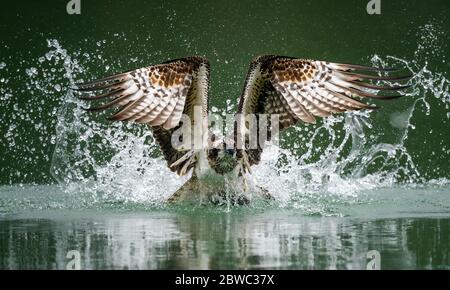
{"x": 410, "y": 228}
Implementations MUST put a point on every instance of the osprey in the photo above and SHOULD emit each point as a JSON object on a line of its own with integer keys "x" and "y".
{"x": 293, "y": 89}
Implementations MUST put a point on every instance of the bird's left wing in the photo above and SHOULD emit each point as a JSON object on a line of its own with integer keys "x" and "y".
{"x": 301, "y": 90}
{"x": 158, "y": 96}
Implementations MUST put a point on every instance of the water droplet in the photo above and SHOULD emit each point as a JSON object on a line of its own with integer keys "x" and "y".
{"x": 31, "y": 72}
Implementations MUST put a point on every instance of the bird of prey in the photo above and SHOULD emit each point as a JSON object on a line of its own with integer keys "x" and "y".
{"x": 291, "y": 88}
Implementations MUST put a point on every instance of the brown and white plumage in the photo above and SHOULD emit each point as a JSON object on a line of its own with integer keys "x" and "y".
{"x": 158, "y": 96}
{"x": 295, "y": 89}
{"x": 302, "y": 89}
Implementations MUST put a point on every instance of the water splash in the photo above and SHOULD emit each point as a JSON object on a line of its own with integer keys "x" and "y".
{"x": 321, "y": 165}
{"x": 316, "y": 168}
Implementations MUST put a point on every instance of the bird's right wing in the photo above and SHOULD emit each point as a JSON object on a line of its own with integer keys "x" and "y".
{"x": 158, "y": 95}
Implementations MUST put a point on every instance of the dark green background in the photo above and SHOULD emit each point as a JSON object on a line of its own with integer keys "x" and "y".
{"x": 229, "y": 33}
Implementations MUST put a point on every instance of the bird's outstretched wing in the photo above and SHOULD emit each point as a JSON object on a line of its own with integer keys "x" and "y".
{"x": 157, "y": 95}
{"x": 301, "y": 90}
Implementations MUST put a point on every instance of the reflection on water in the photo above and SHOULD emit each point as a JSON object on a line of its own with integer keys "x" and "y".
{"x": 222, "y": 241}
